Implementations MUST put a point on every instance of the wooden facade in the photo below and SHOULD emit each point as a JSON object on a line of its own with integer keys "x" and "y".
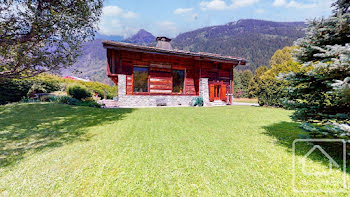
{"x": 160, "y": 64}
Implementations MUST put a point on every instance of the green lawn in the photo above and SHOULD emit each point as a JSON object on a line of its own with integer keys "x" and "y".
{"x": 245, "y": 100}
{"x": 51, "y": 149}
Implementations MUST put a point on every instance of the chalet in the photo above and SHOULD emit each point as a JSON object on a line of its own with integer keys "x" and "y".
{"x": 161, "y": 75}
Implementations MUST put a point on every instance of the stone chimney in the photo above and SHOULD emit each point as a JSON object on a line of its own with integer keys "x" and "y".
{"x": 164, "y": 43}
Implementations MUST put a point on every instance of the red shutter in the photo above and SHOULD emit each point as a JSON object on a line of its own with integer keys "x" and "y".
{"x": 223, "y": 92}
{"x": 211, "y": 92}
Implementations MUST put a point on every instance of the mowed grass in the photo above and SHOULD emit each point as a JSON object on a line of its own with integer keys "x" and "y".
{"x": 246, "y": 100}
{"x": 51, "y": 149}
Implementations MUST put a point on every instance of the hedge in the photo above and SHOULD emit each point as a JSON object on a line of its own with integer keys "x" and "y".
{"x": 13, "y": 90}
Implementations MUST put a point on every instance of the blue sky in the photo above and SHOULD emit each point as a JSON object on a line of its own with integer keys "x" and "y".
{"x": 171, "y": 17}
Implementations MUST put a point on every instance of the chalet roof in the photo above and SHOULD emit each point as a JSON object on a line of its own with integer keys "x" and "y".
{"x": 148, "y": 49}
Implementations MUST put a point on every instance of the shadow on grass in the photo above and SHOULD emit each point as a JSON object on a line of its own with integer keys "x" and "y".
{"x": 287, "y": 132}
{"x": 34, "y": 127}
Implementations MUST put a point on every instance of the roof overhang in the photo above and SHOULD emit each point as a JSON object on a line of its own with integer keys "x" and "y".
{"x": 179, "y": 53}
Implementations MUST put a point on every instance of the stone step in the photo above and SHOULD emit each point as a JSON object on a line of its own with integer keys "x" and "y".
{"x": 218, "y": 103}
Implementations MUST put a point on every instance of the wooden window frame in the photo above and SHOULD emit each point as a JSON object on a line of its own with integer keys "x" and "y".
{"x": 184, "y": 84}
{"x": 148, "y": 81}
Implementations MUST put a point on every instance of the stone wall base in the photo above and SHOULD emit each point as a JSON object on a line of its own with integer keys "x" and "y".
{"x": 146, "y": 100}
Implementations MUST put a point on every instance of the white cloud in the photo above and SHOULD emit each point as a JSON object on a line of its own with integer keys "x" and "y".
{"x": 278, "y": 3}
{"x": 130, "y": 14}
{"x": 294, "y": 4}
{"x": 243, "y": 3}
{"x": 213, "y": 5}
{"x": 222, "y": 5}
{"x": 299, "y": 5}
{"x": 116, "y": 27}
{"x": 115, "y": 11}
{"x": 183, "y": 10}
{"x": 116, "y": 21}
{"x": 259, "y": 11}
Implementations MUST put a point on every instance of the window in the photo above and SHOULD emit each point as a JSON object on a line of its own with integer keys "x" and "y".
{"x": 140, "y": 79}
{"x": 178, "y": 81}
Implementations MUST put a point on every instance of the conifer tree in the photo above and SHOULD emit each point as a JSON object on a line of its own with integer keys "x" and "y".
{"x": 320, "y": 94}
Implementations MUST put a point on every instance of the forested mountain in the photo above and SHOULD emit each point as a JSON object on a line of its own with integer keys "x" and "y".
{"x": 254, "y": 40}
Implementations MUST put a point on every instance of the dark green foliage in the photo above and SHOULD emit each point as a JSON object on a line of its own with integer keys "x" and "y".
{"x": 271, "y": 92}
{"x": 241, "y": 82}
{"x": 238, "y": 88}
{"x": 40, "y": 36}
{"x": 70, "y": 101}
{"x": 246, "y": 77}
{"x": 97, "y": 87}
{"x": 13, "y": 90}
{"x": 255, "y": 40}
{"x": 49, "y": 98}
{"x": 78, "y": 92}
{"x": 266, "y": 85}
{"x": 255, "y": 82}
{"x": 320, "y": 96}
{"x": 90, "y": 103}
{"x": 67, "y": 100}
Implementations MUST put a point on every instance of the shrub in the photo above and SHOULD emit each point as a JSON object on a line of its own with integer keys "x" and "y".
{"x": 78, "y": 92}
{"x": 72, "y": 101}
{"x": 270, "y": 89}
{"x": 48, "y": 98}
{"x": 100, "y": 88}
{"x": 90, "y": 103}
{"x": 13, "y": 90}
{"x": 67, "y": 100}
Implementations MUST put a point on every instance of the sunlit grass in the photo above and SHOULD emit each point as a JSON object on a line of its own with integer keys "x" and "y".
{"x": 50, "y": 149}
{"x": 246, "y": 100}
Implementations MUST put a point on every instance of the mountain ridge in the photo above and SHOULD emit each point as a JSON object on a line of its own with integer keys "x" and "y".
{"x": 142, "y": 37}
{"x": 254, "y": 40}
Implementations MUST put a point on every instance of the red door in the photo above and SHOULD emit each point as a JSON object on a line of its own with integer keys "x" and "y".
{"x": 211, "y": 92}
{"x": 217, "y": 92}
{"x": 223, "y": 93}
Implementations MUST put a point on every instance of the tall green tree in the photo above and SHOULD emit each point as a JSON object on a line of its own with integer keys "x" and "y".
{"x": 271, "y": 90}
{"x": 281, "y": 56}
{"x": 246, "y": 77}
{"x": 241, "y": 83}
{"x": 44, "y": 35}
{"x": 320, "y": 96}
{"x": 254, "y": 85}
{"x": 237, "y": 81}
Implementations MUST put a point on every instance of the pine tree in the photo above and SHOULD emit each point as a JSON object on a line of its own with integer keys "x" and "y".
{"x": 320, "y": 94}
{"x": 237, "y": 81}
{"x": 246, "y": 77}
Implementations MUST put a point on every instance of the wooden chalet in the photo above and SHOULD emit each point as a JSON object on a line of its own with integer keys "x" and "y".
{"x": 161, "y": 75}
